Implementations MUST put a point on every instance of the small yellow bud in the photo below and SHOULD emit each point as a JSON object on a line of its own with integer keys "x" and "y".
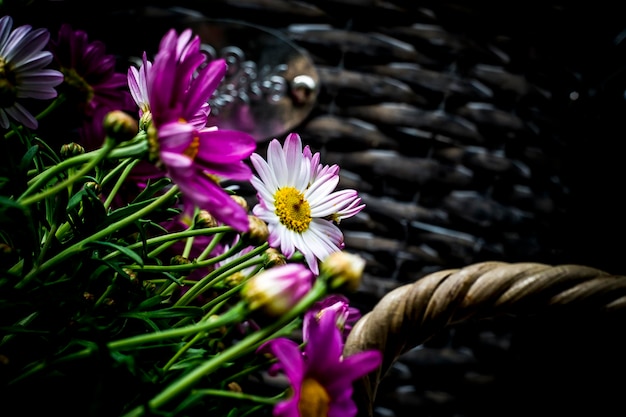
{"x": 258, "y": 231}
{"x": 274, "y": 258}
{"x": 241, "y": 201}
{"x": 204, "y": 220}
{"x": 71, "y": 149}
{"x": 94, "y": 186}
{"x": 235, "y": 279}
{"x": 179, "y": 260}
{"x": 234, "y": 387}
{"x": 120, "y": 126}
{"x": 343, "y": 270}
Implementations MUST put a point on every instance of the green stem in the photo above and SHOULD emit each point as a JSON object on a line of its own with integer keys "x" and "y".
{"x": 235, "y": 314}
{"x": 136, "y": 147}
{"x": 237, "y": 396}
{"x": 187, "y": 345}
{"x": 215, "y": 275}
{"x": 187, "y": 381}
{"x": 79, "y": 246}
{"x": 171, "y": 237}
{"x": 98, "y": 157}
{"x": 209, "y": 248}
{"x": 129, "y": 165}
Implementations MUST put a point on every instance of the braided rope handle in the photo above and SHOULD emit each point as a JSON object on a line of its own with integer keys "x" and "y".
{"x": 409, "y": 315}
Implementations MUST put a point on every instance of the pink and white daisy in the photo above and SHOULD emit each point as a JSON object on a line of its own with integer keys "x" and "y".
{"x": 23, "y": 72}
{"x": 298, "y": 202}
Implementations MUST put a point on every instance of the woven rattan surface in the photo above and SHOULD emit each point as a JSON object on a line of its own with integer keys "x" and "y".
{"x": 473, "y": 132}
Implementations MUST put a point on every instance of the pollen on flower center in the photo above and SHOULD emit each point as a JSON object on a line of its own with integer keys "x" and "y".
{"x": 292, "y": 209}
{"x": 192, "y": 149}
{"x": 314, "y": 399}
{"x": 8, "y": 90}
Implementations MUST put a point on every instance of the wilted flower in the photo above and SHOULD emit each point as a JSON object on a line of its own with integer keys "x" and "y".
{"x": 297, "y": 200}
{"x": 23, "y": 72}
{"x": 320, "y": 377}
{"x": 277, "y": 290}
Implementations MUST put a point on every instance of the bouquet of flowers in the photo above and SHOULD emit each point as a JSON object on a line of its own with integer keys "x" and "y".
{"x": 134, "y": 279}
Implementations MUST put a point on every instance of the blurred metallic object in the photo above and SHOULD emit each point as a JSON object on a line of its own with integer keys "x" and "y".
{"x": 271, "y": 84}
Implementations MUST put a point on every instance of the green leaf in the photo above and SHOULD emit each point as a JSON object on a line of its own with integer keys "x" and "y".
{"x": 28, "y": 157}
{"x": 129, "y": 253}
{"x": 151, "y": 189}
{"x": 167, "y": 313}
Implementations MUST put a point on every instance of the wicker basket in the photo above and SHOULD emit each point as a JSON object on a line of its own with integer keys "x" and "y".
{"x": 410, "y": 315}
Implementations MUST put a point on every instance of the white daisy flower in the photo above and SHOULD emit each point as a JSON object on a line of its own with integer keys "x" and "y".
{"x": 22, "y": 71}
{"x": 298, "y": 202}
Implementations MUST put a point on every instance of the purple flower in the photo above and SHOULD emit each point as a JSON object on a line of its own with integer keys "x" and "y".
{"x": 320, "y": 377}
{"x": 89, "y": 72}
{"x": 335, "y": 304}
{"x": 175, "y": 89}
{"x": 22, "y": 71}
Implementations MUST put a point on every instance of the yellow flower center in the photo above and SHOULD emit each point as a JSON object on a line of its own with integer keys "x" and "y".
{"x": 8, "y": 89}
{"x": 314, "y": 399}
{"x": 192, "y": 149}
{"x": 292, "y": 209}
{"x": 79, "y": 87}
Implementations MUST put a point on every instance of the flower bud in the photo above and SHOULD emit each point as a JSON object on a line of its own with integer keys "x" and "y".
{"x": 274, "y": 258}
{"x": 94, "y": 186}
{"x": 179, "y": 260}
{"x": 343, "y": 270}
{"x": 204, "y": 219}
{"x": 120, "y": 126}
{"x": 71, "y": 149}
{"x": 241, "y": 201}
{"x": 258, "y": 231}
{"x": 277, "y": 290}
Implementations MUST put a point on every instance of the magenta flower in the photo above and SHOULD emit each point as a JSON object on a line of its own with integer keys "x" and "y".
{"x": 320, "y": 377}
{"x": 277, "y": 290}
{"x": 335, "y": 304}
{"x": 176, "y": 88}
{"x": 298, "y": 202}
{"x": 22, "y": 71}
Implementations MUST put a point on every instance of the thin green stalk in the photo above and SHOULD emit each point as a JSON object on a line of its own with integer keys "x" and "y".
{"x": 209, "y": 248}
{"x": 130, "y": 164}
{"x": 235, "y": 314}
{"x": 187, "y": 381}
{"x": 95, "y": 160}
{"x": 79, "y": 246}
{"x": 237, "y": 396}
{"x": 171, "y": 238}
{"x": 187, "y": 345}
{"x": 215, "y": 275}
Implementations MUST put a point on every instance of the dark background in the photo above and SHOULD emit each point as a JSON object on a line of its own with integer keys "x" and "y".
{"x": 551, "y": 193}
